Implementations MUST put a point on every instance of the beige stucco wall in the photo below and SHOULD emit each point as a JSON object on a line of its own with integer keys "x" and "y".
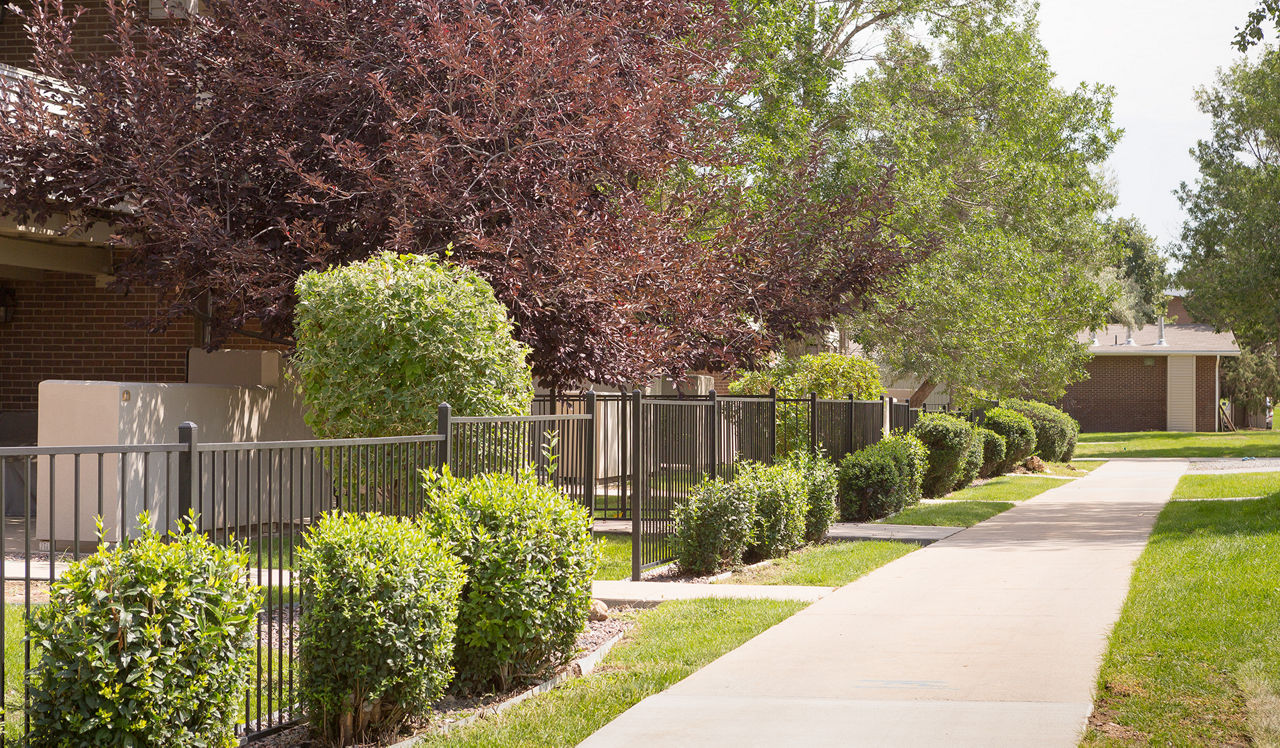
{"x": 112, "y": 413}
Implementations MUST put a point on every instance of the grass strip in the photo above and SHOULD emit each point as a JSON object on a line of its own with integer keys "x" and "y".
{"x": 1170, "y": 444}
{"x": 949, "y": 514}
{"x": 1225, "y": 486}
{"x": 1006, "y": 488}
{"x": 615, "y": 557}
{"x": 667, "y": 644}
{"x": 1194, "y": 659}
{"x": 828, "y": 565}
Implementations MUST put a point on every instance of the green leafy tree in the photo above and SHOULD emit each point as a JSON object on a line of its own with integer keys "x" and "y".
{"x": 1230, "y": 250}
{"x": 1141, "y": 272}
{"x": 1252, "y": 31}
{"x": 1252, "y": 379}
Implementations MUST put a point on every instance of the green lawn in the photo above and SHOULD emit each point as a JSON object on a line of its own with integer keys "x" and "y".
{"x": 1208, "y": 486}
{"x": 14, "y": 662}
{"x": 615, "y": 557}
{"x": 667, "y": 644}
{"x": 828, "y": 565}
{"x": 1166, "y": 444}
{"x": 1006, "y": 488}
{"x": 1195, "y": 659}
{"x": 950, "y": 514}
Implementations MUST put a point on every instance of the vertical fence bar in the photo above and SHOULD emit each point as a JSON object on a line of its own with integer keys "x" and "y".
{"x": 636, "y": 490}
{"x": 443, "y": 455}
{"x": 589, "y": 469}
{"x": 188, "y": 437}
{"x": 713, "y": 435}
{"x": 813, "y": 423}
{"x": 773, "y": 423}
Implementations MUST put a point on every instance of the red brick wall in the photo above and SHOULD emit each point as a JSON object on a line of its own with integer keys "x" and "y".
{"x": 66, "y": 327}
{"x": 1121, "y": 394}
{"x": 1206, "y": 392}
{"x": 14, "y": 49}
{"x": 1176, "y": 311}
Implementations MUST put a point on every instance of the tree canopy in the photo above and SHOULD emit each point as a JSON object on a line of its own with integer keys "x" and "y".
{"x": 1141, "y": 273}
{"x": 572, "y": 153}
{"x": 1230, "y": 249}
{"x": 993, "y": 162}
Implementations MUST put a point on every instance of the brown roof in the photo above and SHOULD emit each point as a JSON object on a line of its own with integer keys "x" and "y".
{"x": 1178, "y": 340}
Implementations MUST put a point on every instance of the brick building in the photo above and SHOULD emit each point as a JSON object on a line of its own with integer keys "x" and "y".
{"x": 1159, "y": 378}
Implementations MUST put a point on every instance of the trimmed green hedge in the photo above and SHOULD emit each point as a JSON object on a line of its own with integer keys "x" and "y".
{"x": 377, "y": 631}
{"x": 1019, "y": 435}
{"x": 1056, "y": 432}
{"x": 148, "y": 643}
{"x": 882, "y": 479}
{"x": 714, "y": 528}
{"x": 973, "y": 459}
{"x": 781, "y": 501}
{"x": 993, "y": 451}
{"x": 530, "y": 560}
{"x": 819, "y": 477}
{"x": 949, "y": 441}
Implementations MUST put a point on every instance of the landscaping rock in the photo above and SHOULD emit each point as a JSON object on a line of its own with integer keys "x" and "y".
{"x": 599, "y": 611}
{"x": 1035, "y": 464}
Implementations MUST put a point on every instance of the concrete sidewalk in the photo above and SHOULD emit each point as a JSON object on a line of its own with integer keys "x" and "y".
{"x": 992, "y": 637}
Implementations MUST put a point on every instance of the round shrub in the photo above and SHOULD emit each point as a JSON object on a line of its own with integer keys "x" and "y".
{"x": 1018, "y": 432}
{"x": 144, "y": 644}
{"x": 993, "y": 451}
{"x": 949, "y": 440}
{"x": 378, "y": 621}
{"x": 819, "y": 477}
{"x": 781, "y": 501}
{"x": 972, "y": 464}
{"x": 530, "y": 559}
{"x": 1056, "y": 432}
{"x": 381, "y": 343}
{"x": 881, "y": 479}
{"x": 713, "y": 529}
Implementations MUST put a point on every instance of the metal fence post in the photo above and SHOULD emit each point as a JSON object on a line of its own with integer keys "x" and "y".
{"x": 636, "y": 490}
{"x": 887, "y": 412}
{"x": 443, "y": 453}
{"x": 188, "y": 475}
{"x": 773, "y": 423}
{"x": 714, "y": 436}
{"x": 813, "y": 423}
{"x": 589, "y": 469}
{"x": 853, "y": 426}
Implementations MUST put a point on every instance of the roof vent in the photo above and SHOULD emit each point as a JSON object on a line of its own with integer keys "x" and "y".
{"x": 1161, "y": 340}
{"x": 1128, "y": 336}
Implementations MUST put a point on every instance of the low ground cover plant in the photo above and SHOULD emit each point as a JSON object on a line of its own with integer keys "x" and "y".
{"x": 1056, "y": 432}
{"x": 377, "y": 631}
{"x": 714, "y": 528}
{"x": 950, "y": 442}
{"x": 881, "y": 479}
{"x": 530, "y": 559}
{"x": 1019, "y": 435}
{"x": 143, "y": 644}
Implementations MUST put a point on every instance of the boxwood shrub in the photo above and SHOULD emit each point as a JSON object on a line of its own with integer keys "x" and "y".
{"x": 881, "y": 479}
{"x": 781, "y": 501}
{"x": 714, "y": 528}
{"x": 380, "y": 604}
{"x": 972, "y": 465}
{"x": 148, "y": 643}
{"x": 949, "y": 440}
{"x": 1018, "y": 432}
{"x": 530, "y": 560}
{"x": 819, "y": 477}
{"x": 993, "y": 451}
{"x": 1056, "y": 432}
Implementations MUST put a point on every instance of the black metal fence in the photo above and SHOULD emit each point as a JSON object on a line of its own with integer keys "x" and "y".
{"x": 629, "y": 457}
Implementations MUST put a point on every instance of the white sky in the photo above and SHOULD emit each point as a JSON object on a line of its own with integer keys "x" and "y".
{"x": 1155, "y": 53}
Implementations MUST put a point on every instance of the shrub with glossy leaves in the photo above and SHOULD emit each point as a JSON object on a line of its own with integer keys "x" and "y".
{"x": 781, "y": 500}
{"x": 380, "y": 604}
{"x": 993, "y": 451}
{"x": 819, "y": 477}
{"x": 144, "y": 644}
{"x": 1018, "y": 432}
{"x": 949, "y": 440}
{"x": 713, "y": 529}
{"x": 972, "y": 465}
{"x": 1056, "y": 432}
{"x": 381, "y": 343}
{"x": 530, "y": 560}
{"x": 882, "y": 479}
